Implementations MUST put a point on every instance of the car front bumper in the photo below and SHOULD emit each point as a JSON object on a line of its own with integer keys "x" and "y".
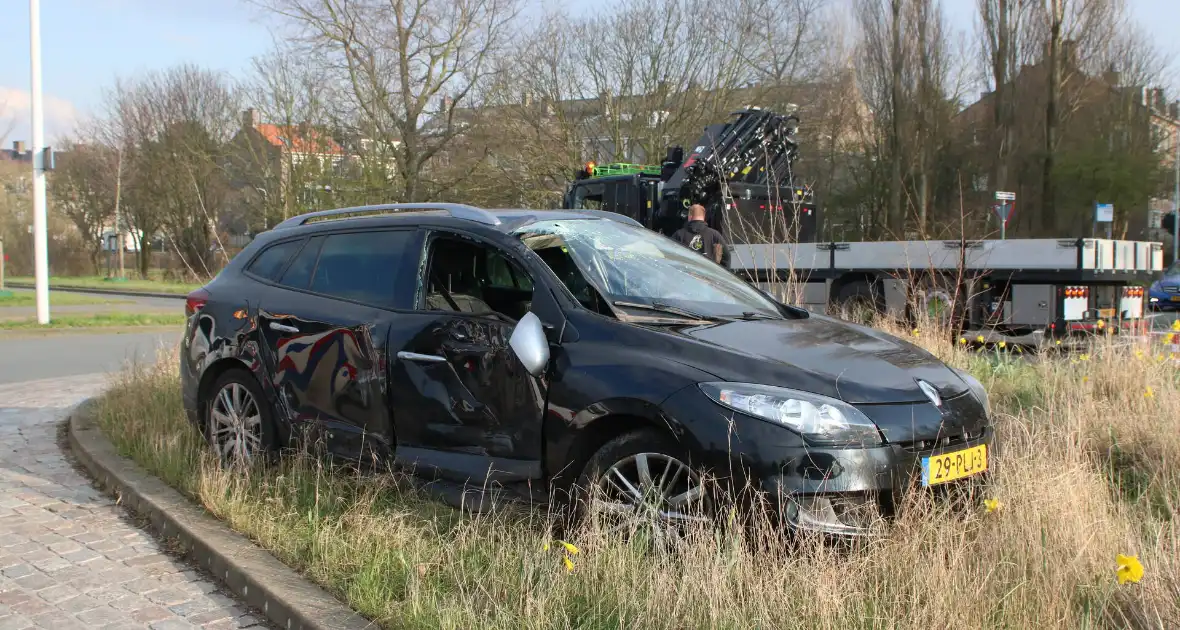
{"x": 1162, "y": 300}
{"x": 838, "y": 491}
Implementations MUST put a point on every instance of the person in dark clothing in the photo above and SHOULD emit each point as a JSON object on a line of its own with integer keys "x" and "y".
{"x": 702, "y": 239}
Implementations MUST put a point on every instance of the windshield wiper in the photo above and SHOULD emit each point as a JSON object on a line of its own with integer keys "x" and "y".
{"x": 661, "y": 307}
{"x": 757, "y": 315}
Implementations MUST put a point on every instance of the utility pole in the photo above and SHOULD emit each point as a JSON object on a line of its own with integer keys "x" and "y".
{"x": 40, "y": 227}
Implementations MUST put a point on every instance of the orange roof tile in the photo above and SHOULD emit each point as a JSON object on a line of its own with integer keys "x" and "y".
{"x": 290, "y": 137}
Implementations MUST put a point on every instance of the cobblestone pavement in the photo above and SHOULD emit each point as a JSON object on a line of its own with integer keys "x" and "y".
{"x": 69, "y": 558}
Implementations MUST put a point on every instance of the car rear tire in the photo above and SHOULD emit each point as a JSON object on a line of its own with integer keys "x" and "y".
{"x": 238, "y": 423}
{"x": 643, "y": 480}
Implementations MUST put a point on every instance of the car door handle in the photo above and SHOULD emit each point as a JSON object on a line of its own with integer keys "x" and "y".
{"x": 283, "y": 328}
{"x": 425, "y": 358}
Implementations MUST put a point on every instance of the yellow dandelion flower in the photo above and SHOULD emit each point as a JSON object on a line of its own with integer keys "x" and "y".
{"x": 1149, "y": 393}
{"x": 992, "y": 505}
{"x": 1084, "y": 357}
{"x": 915, "y": 332}
{"x": 568, "y": 547}
{"x": 1129, "y": 569}
{"x": 1170, "y": 339}
{"x": 1138, "y": 354}
{"x": 1085, "y": 379}
{"x": 1176, "y": 325}
{"x": 1100, "y": 325}
{"x": 1003, "y": 344}
{"x": 545, "y": 547}
{"x": 962, "y": 341}
{"x": 1059, "y": 342}
{"x": 569, "y": 564}
{"x": 979, "y": 338}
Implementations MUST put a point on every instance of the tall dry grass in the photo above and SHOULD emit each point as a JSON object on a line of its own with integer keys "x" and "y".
{"x": 1088, "y": 468}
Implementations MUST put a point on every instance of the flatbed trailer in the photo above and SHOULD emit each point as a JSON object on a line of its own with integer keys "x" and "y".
{"x": 1020, "y": 291}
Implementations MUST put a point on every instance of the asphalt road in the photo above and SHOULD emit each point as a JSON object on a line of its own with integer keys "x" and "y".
{"x": 27, "y": 357}
{"x": 33, "y": 355}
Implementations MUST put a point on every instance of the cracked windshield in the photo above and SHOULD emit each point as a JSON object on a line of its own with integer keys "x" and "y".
{"x": 638, "y": 269}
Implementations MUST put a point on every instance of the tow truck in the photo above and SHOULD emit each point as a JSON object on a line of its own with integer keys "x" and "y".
{"x": 1030, "y": 292}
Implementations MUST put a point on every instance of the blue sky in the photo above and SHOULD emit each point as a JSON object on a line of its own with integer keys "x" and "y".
{"x": 86, "y": 44}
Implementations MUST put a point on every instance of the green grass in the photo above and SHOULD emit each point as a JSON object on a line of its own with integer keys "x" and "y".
{"x": 1072, "y": 434}
{"x": 99, "y": 320}
{"x": 58, "y": 298}
{"x": 99, "y": 282}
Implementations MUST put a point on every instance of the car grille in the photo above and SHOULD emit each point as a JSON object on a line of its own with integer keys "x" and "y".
{"x": 1171, "y": 288}
{"x": 964, "y": 437}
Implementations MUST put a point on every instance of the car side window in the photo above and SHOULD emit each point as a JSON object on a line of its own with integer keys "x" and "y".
{"x": 298, "y": 274}
{"x": 271, "y": 262}
{"x": 502, "y": 273}
{"x": 361, "y": 266}
{"x": 467, "y": 276}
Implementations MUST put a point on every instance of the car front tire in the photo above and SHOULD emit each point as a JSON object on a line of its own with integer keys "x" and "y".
{"x": 643, "y": 480}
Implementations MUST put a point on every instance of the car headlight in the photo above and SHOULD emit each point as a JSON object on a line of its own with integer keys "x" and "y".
{"x": 977, "y": 389}
{"x": 817, "y": 418}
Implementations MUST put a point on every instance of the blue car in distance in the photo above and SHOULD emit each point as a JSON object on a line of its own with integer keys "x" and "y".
{"x": 1164, "y": 293}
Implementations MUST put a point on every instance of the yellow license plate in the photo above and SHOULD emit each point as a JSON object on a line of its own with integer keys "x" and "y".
{"x": 938, "y": 469}
{"x": 1106, "y": 313}
{"x": 1175, "y": 298}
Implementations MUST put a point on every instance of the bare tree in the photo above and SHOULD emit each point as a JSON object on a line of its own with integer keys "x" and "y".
{"x": 1055, "y": 17}
{"x": 84, "y": 188}
{"x": 1005, "y": 32}
{"x": 880, "y": 72}
{"x": 172, "y": 127}
{"x": 407, "y": 66}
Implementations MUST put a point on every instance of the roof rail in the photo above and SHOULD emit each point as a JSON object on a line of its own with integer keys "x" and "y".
{"x": 456, "y": 210}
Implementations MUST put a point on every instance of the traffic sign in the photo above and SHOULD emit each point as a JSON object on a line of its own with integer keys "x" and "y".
{"x": 1005, "y": 196}
{"x": 1104, "y": 212}
{"x": 1004, "y": 210}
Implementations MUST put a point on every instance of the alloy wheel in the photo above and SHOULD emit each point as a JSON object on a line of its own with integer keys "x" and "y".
{"x": 235, "y": 424}
{"x": 652, "y": 492}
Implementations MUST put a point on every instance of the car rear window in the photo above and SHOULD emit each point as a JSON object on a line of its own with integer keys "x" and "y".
{"x": 361, "y": 266}
{"x": 271, "y": 262}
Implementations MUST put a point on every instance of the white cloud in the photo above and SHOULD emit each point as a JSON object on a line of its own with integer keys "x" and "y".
{"x": 61, "y": 117}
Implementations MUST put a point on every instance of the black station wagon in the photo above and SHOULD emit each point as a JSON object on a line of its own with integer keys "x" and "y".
{"x": 565, "y": 349}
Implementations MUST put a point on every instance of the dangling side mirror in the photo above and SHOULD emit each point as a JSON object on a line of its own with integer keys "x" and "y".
{"x": 529, "y": 343}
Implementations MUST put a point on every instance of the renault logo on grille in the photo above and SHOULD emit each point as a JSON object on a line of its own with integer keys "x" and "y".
{"x": 930, "y": 392}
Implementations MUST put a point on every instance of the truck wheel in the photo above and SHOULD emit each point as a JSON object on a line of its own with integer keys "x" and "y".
{"x": 859, "y": 302}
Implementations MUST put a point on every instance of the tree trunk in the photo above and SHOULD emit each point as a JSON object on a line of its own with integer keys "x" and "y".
{"x": 1048, "y": 201}
{"x": 1000, "y": 108}
{"x": 923, "y": 194}
{"x": 895, "y": 219}
{"x": 144, "y": 256}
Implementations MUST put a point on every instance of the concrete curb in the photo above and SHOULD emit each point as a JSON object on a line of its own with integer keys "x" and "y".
{"x": 286, "y": 598}
{"x": 175, "y": 296}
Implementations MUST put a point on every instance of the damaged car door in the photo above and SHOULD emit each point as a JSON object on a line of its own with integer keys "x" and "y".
{"x": 464, "y": 405}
